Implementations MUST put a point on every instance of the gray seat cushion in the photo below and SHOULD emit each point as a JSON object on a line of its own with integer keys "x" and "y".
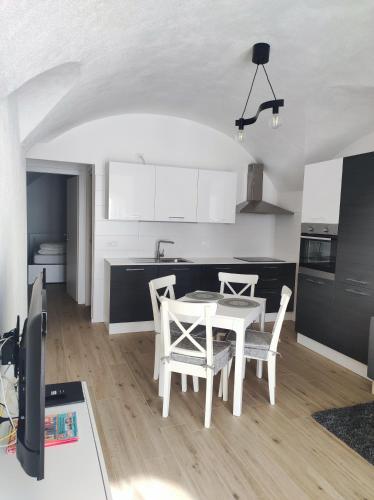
{"x": 221, "y": 353}
{"x": 256, "y": 344}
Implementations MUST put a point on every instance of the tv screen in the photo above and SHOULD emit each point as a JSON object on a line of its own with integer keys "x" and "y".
{"x": 31, "y": 387}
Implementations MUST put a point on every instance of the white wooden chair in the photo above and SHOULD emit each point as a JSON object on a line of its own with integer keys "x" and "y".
{"x": 248, "y": 280}
{"x": 164, "y": 287}
{"x": 262, "y": 346}
{"x": 190, "y": 355}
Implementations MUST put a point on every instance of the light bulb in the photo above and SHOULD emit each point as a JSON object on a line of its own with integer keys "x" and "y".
{"x": 240, "y": 135}
{"x": 275, "y": 120}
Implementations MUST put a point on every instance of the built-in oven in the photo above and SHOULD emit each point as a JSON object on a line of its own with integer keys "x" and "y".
{"x": 318, "y": 249}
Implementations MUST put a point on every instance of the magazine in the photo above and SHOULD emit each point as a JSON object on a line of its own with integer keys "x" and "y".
{"x": 59, "y": 429}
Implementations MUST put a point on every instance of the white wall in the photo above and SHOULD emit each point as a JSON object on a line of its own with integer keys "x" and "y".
{"x": 287, "y": 229}
{"x": 161, "y": 140}
{"x": 363, "y": 145}
{"x": 13, "y": 246}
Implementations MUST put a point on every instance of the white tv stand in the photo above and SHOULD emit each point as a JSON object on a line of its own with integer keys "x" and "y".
{"x": 73, "y": 471}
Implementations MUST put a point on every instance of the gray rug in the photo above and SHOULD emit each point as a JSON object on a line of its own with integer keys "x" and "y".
{"x": 354, "y": 425}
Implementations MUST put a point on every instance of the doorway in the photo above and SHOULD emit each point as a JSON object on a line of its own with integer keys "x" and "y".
{"x": 59, "y": 220}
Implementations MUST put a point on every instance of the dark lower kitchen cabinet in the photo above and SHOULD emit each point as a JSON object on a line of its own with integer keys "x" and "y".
{"x": 269, "y": 286}
{"x": 129, "y": 293}
{"x": 209, "y": 276}
{"x": 353, "y": 309}
{"x": 129, "y": 299}
{"x": 187, "y": 278}
{"x": 315, "y": 298}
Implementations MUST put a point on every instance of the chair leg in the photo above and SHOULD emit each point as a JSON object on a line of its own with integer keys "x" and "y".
{"x": 166, "y": 392}
{"x": 208, "y": 398}
{"x": 220, "y": 390}
{"x": 195, "y": 383}
{"x": 161, "y": 380}
{"x": 184, "y": 382}
{"x": 225, "y": 382}
{"x": 271, "y": 379}
{"x": 259, "y": 369}
{"x": 156, "y": 369}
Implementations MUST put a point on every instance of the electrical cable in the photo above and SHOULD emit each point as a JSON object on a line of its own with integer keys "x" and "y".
{"x": 268, "y": 79}
{"x": 3, "y": 390}
{"x": 250, "y": 91}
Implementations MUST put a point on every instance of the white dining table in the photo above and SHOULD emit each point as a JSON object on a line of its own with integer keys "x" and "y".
{"x": 238, "y": 319}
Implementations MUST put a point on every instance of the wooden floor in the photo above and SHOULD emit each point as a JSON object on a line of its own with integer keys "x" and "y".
{"x": 269, "y": 452}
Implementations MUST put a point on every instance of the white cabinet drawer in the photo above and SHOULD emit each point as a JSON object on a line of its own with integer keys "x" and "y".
{"x": 131, "y": 191}
{"x": 216, "y": 198}
{"x": 321, "y": 193}
{"x": 176, "y": 194}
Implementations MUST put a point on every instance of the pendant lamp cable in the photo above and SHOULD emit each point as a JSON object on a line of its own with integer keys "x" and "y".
{"x": 250, "y": 91}
{"x": 267, "y": 77}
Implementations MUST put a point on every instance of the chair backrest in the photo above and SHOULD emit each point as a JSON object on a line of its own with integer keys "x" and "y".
{"x": 249, "y": 280}
{"x": 177, "y": 311}
{"x": 166, "y": 283}
{"x": 285, "y": 298}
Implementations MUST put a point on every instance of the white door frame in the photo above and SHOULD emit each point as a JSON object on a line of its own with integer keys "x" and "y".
{"x": 83, "y": 171}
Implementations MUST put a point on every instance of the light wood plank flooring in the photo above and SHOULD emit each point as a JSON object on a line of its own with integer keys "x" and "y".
{"x": 269, "y": 452}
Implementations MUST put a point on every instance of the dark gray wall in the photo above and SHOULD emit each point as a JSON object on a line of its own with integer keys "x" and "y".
{"x": 46, "y": 205}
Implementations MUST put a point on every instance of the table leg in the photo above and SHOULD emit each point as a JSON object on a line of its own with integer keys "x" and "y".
{"x": 238, "y": 380}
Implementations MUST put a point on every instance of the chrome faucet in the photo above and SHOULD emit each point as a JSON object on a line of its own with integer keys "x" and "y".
{"x": 160, "y": 253}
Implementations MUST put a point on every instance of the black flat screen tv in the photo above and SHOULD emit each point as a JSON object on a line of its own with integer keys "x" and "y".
{"x": 31, "y": 384}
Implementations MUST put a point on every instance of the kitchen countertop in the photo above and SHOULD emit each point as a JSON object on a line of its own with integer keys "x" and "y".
{"x": 129, "y": 261}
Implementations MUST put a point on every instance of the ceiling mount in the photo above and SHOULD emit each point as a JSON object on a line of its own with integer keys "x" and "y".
{"x": 260, "y": 53}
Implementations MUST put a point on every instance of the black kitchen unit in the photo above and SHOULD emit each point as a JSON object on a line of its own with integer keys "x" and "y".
{"x": 129, "y": 299}
{"x": 336, "y": 311}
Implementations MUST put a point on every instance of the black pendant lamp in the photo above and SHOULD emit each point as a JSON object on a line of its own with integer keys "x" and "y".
{"x": 260, "y": 56}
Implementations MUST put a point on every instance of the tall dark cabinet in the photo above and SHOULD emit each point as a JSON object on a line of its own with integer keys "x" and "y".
{"x": 355, "y": 255}
{"x": 354, "y": 276}
{"x": 336, "y": 311}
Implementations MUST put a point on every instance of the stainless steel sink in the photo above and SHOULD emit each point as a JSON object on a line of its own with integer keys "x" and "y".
{"x": 163, "y": 260}
{"x": 173, "y": 260}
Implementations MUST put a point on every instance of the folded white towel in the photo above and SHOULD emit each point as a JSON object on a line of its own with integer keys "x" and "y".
{"x": 43, "y": 251}
{"x": 53, "y": 245}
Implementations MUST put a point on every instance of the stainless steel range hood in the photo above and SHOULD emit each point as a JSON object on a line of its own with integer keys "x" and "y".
{"x": 255, "y": 204}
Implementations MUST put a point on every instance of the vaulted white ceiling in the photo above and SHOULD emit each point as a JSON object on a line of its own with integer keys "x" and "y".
{"x": 191, "y": 58}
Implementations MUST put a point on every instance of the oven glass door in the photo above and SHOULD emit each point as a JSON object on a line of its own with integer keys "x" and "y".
{"x": 318, "y": 252}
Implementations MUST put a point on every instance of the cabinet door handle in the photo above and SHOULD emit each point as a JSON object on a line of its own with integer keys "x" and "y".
{"x": 315, "y": 282}
{"x": 356, "y": 292}
{"x": 271, "y": 267}
{"x": 180, "y": 269}
{"x": 135, "y": 269}
{"x": 222, "y": 268}
{"x": 174, "y": 217}
{"x": 269, "y": 279}
{"x": 357, "y": 281}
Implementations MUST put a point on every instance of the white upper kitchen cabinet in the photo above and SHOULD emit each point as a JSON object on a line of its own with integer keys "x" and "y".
{"x": 321, "y": 193}
{"x": 216, "y": 196}
{"x": 176, "y": 194}
{"x": 131, "y": 191}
